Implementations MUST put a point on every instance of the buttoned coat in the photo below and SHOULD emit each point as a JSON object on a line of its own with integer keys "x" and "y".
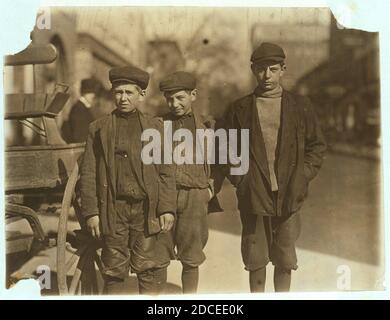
{"x": 214, "y": 205}
{"x": 97, "y": 177}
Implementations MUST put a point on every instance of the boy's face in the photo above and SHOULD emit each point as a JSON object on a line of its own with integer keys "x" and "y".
{"x": 127, "y": 96}
{"x": 268, "y": 76}
{"x": 180, "y": 101}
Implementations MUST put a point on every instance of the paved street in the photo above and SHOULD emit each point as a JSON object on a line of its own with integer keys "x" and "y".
{"x": 341, "y": 228}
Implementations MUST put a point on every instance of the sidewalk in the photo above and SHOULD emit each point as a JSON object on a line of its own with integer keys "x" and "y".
{"x": 342, "y": 226}
{"x": 223, "y": 271}
{"x": 368, "y": 152}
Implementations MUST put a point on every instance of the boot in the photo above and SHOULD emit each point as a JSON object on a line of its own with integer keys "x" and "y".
{"x": 113, "y": 286}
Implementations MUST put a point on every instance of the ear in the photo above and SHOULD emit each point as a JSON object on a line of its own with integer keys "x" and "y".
{"x": 142, "y": 95}
{"x": 257, "y": 67}
{"x": 253, "y": 68}
{"x": 283, "y": 68}
{"x": 194, "y": 94}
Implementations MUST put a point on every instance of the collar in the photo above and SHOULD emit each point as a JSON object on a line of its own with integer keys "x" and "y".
{"x": 274, "y": 93}
{"x": 183, "y": 117}
{"x": 186, "y": 116}
{"x": 85, "y": 102}
{"x": 125, "y": 115}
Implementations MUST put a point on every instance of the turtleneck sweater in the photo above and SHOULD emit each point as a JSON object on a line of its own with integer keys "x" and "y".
{"x": 268, "y": 104}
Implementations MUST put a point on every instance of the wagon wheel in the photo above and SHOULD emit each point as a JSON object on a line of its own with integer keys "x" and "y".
{"x": 84, "y": 265}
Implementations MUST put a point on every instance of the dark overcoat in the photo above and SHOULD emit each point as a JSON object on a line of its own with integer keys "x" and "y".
{"x": 299, "y": 156}
{"x": 80, "y": 118}
{"x": 97, "y": 177}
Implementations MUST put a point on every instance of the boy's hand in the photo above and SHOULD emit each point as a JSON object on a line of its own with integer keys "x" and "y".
{"x": 166, "y": 222}
{"x": 93, "y": 226}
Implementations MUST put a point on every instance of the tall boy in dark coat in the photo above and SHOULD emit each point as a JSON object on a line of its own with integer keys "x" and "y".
{"x": 286, "y": 151}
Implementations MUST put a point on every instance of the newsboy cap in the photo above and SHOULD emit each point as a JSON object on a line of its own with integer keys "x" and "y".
{"x": 268, "y": 51}
{"x": 129, "y": 74}
{"x": 178, "y": 81}
{"x": 90, "y": 85}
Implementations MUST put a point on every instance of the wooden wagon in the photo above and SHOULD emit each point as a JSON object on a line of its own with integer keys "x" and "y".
{"x": 49, "y": 167}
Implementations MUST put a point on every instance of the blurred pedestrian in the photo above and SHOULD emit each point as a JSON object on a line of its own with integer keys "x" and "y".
{"x": 82, "y": 112}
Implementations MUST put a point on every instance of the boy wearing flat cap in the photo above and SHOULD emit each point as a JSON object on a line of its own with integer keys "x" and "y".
{"x": 286, "y": 152}
{"x": 193, "y": 183}
{"x": 121, "y": 201}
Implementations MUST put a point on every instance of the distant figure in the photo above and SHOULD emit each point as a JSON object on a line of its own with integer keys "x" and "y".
{"x": 82, "y": 113}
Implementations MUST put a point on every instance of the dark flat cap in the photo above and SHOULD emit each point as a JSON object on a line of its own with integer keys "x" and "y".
{"x": 90, "y": 85}
{"x": 129, "y": 74}
{"x": 178, "y": 81}
{"x": 268, "y": 52}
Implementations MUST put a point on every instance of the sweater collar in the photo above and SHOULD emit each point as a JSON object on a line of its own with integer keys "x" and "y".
{"x": 274, "y": 93}
{"x": 126, "y": 115}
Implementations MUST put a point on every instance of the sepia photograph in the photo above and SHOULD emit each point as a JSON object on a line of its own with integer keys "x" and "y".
{"x": 193, "y": 150}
